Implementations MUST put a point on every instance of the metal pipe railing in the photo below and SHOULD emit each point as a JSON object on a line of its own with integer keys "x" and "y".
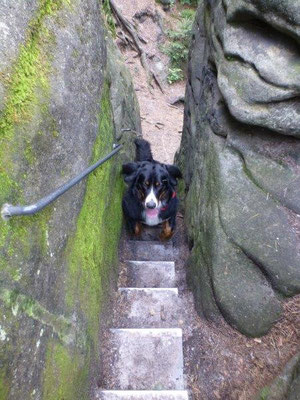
{"x": 9, "y": 210}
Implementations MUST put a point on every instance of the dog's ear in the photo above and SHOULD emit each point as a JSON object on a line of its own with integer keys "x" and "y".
{"x": 174, "y": 173}
{"x": 129, "y": 171}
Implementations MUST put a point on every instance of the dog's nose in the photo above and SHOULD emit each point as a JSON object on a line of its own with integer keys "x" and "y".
{"x": 151, "y": 204}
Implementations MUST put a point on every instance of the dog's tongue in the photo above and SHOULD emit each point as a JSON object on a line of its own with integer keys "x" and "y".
{"x": 152, "y": 213}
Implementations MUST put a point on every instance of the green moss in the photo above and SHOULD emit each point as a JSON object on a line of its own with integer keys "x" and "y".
{"x": 19, "y": 303}
{"x": 178, "y": 45}
{"x": 75, "y": 53}
{"x": 29, "y": 154}
{"x": 92, "y": 251}
{"x": 30, "y": 70}
{"x": 91, "y": 255}
{"x": 4, "y": 387}
{"x": 109, "y": 18}
{"x": 16, "y": 238}
{"x": 26, "y": 91}
{"x": 7, "y": 184}
{"x": 65, "y": 376}
{"x": 28, "y": 77}
{"x": 16, "y": 274}
{"x": 264, "y": 394}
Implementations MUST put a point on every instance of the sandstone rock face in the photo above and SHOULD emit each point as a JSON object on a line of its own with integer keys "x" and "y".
{"x": 64, "y": 99}
{"x": 11, "y": 15}
{"x": 286, "y": 385}
{"x": 240, "y": 153}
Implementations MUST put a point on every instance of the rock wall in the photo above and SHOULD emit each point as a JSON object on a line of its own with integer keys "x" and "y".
{"x": 286, "y": 386}
{"x": 240, "y": 153}
{"x": 64, "y": 99}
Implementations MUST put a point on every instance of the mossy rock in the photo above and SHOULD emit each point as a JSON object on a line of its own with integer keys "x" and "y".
{"x": 60, "y": 114}
{"x": 286, "y": 385}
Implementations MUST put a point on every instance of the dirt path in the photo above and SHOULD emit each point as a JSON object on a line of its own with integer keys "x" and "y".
{"x": 161, "y": 121}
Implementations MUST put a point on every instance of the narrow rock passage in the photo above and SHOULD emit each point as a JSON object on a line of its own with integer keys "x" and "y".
{"x": 145, "y": 346}
{"x": 143, "y": 355}
{"x": 153, "y": 303}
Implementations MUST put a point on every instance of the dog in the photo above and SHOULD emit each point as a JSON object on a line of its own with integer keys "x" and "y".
{"x": 151, "y": 197}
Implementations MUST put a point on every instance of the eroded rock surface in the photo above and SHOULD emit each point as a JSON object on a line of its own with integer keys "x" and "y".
{"x": 64, "y": 98}
{"x": 240, "y": 154}
{"x": 286, "y": 385}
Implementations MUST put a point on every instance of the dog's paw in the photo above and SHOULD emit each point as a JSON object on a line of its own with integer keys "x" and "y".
{"x": 138, "y": 229}
{"x": 166, "y": 232}
{"x": 163, "y": 237}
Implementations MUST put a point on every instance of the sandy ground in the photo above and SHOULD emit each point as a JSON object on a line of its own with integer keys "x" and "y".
{"x": 161, "y": 121}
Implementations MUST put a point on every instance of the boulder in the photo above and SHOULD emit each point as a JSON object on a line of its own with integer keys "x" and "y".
{"x": 286, "y": 385}
{"x": 240, "y": 156}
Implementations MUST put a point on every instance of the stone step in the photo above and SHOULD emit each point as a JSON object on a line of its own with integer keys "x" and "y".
{"x": 150, "y": 233}
{"x": 147, "y": 359}
{"x": 142, "y": 395}
{"x": 148, "y": 308}
{"x": 151, "y": 251}
{"x": 152, "y": 274}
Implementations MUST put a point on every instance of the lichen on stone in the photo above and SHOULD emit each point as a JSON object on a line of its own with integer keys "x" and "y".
{"x": 56, "y": 265}
{"x": 62, "y": 364}
{"x": 92, "y": 251}
{"x": 29, "y": 73}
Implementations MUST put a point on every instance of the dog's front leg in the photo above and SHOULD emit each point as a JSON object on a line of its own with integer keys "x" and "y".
{"x": 134, "y": 227}
{"x": 167, "y": 231}
{"x": 138, "y": 229}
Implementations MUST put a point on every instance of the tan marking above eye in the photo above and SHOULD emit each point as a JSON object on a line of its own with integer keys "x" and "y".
{"x": 147, "y": 183}
{"x": 157, "y": 183}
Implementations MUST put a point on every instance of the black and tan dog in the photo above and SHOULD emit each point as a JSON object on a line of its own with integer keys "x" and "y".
{"x": 151, "y": 197}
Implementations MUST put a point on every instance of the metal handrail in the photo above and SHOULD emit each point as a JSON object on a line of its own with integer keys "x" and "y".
{"x": 8, "y": 210}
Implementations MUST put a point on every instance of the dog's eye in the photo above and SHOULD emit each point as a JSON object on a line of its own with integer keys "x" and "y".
{"x": 165, "y": 181}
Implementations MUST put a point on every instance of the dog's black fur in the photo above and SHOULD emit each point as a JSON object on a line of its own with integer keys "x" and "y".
{"x": 145, "y": 175}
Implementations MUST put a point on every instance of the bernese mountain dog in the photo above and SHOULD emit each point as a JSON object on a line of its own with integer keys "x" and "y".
{"x": 151, "y": 197}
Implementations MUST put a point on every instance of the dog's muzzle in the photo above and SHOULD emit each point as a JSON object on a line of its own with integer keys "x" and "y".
{"x": 151, "y": 204}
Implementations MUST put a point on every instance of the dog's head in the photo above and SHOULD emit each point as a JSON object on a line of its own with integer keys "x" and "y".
{"x": 153, "y": 183}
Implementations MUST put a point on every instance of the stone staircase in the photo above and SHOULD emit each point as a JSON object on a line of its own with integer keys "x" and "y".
{"x": 146, "y": 354}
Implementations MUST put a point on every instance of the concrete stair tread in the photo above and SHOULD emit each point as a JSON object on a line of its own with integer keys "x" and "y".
{"x": 147, "y": 359}
{"x": 148, "y": 307}
{"x": 152, "y": 274}
{"x": 142, "y": 395}
{"x": 151, "y": 250}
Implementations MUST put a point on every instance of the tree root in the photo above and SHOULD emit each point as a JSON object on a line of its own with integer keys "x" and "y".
{"x": 136, "y": 39}
{"x": 148, "y": 13}
{"x": 178, "y": 99}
